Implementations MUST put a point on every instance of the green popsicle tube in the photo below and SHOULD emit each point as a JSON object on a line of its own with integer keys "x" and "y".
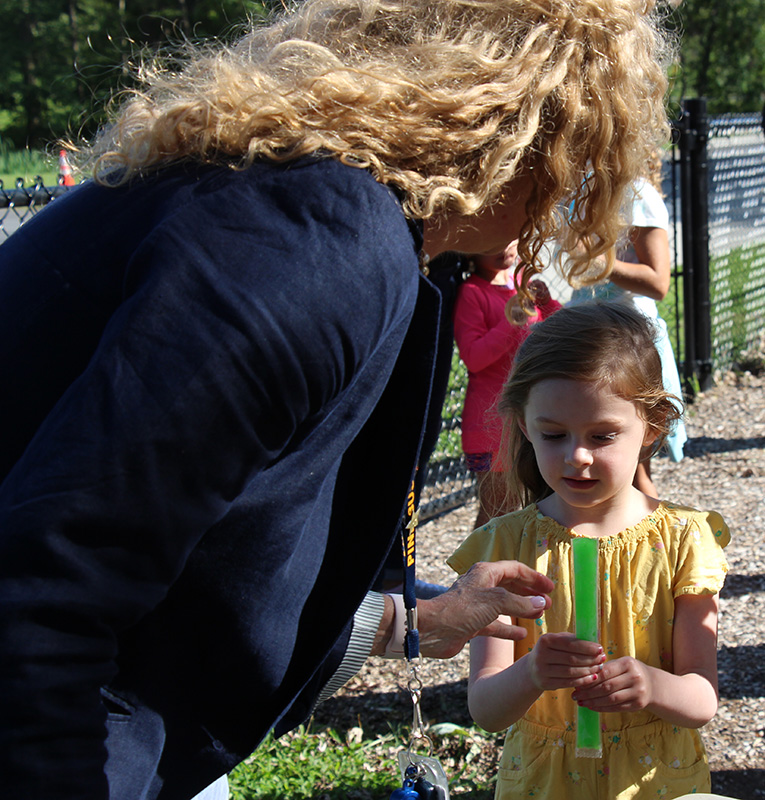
{"x": 585, "y": 550}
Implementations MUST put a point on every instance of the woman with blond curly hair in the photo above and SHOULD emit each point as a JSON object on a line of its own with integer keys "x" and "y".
{"x": 218, "y": 359}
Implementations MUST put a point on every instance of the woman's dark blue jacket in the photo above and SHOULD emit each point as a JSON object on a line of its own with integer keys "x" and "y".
{"x": 214, "y": 388}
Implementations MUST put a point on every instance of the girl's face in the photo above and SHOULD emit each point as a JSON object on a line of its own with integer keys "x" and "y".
{"x": 587, "y": 441}
{"x": 494, "y": 262}
{"x": 504, "y": 259}
{"x": 498, "y": 267}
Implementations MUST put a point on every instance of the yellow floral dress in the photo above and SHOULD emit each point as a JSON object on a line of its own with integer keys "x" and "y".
{"x": 674, "y": 551}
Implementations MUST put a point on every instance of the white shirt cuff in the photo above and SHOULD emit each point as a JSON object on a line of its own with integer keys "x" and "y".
{"x": 366, "y": 622}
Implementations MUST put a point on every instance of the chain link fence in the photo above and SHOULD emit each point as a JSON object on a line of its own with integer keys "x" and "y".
{"x": 20, "y": 203}
{"x": 735, "y": 153}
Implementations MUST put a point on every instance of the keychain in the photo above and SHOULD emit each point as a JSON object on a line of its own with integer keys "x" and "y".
{"x": 424, "y": 775}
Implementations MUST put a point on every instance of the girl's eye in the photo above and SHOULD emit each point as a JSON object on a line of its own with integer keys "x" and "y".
{"x": 548, "y": 437}
{"x": 605, "y": 437}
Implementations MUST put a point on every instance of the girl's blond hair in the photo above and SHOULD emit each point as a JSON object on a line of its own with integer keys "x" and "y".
{"x": 448, "y": 100}
{"x": 609, "y": 344}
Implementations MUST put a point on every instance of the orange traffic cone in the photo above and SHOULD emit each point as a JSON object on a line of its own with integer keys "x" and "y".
{"x": 65, "y": 176}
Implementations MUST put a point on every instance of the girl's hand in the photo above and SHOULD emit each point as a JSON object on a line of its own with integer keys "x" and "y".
{"x": 540, "y": 292}
{"x": 560, "y": 660}
{"x": 623, "y": 684}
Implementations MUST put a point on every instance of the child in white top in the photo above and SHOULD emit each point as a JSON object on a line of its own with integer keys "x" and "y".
{"x": 642, "y": 273}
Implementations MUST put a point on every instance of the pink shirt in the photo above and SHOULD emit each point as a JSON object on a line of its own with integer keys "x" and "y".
{"x": 487, "y": 344}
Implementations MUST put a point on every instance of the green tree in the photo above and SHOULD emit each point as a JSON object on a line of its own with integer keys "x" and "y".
{"x": 722, "y": 54}
{"x": 63, "y": 59}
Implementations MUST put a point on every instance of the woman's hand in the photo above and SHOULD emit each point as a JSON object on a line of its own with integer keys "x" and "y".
{"x": 474, "y": 603}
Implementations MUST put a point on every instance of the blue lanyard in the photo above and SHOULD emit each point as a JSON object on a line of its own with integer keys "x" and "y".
{"x": 408, "y": 541}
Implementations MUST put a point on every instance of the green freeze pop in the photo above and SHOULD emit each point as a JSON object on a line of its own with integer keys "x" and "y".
{"x": 588, "y": 744}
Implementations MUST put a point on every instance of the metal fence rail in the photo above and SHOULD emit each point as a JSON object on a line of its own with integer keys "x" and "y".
{"x": 715, "y": 187}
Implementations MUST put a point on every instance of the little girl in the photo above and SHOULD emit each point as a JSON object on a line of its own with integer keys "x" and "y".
{"x": 489, "y": 326}
{"x": 584, "y": 398}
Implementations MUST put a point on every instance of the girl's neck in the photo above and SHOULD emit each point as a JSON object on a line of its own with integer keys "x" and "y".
{"x": 605, "y": 519}
{"x": 495, "y": 277}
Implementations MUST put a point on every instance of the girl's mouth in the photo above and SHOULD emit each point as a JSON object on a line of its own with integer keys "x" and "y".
{"x": 581, "y": 484}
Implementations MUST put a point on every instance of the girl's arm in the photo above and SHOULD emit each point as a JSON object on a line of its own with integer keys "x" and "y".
{"x": 687, "y": 696}
{"x": 479, "y": 345}
{"x": 501, "y": 689}
{"x": 652, "y": 274}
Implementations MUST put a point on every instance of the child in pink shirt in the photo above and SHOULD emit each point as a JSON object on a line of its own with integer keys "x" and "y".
{"x": 489, "y": 326}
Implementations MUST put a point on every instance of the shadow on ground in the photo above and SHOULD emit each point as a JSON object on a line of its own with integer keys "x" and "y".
{"x": 743, "y": 784}
{"x": 378, "y": 712}
{"x": 733, "y": 662}
{"x": 699, "y": 446}
{"x": 737, "y": 585}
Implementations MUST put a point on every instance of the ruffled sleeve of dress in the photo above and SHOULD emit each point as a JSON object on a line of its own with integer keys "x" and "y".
{"x": 504, "y": 538}
{"x": 701, "y": 563}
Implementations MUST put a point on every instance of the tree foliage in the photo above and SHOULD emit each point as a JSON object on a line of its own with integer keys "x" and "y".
{"x": 63, "y": 59}
{"x": 722, "y": 54}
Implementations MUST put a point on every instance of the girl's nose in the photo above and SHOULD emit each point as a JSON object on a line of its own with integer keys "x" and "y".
{"x": 579, "y": 455}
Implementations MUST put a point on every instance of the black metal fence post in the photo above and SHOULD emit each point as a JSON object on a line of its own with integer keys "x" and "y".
{"x": 694, "y": 191}
{"x": 685, "y": 144}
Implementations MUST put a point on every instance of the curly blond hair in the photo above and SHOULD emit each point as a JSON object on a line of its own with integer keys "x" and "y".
{"x": 448, "y": 100}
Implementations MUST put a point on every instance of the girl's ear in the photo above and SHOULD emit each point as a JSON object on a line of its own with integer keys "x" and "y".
{"x": 522, "y": 425}
{"x": 650, "y": 436}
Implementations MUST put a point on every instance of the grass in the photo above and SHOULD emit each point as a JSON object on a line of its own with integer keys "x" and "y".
{"x": 449, "y": 441}
{"x": 670, "y": 310}
{"x": 737, "y": 287}
{"x": 305, "y": 764}
{"x": 328, "y": 765}
{"x": 26, "y": 165}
